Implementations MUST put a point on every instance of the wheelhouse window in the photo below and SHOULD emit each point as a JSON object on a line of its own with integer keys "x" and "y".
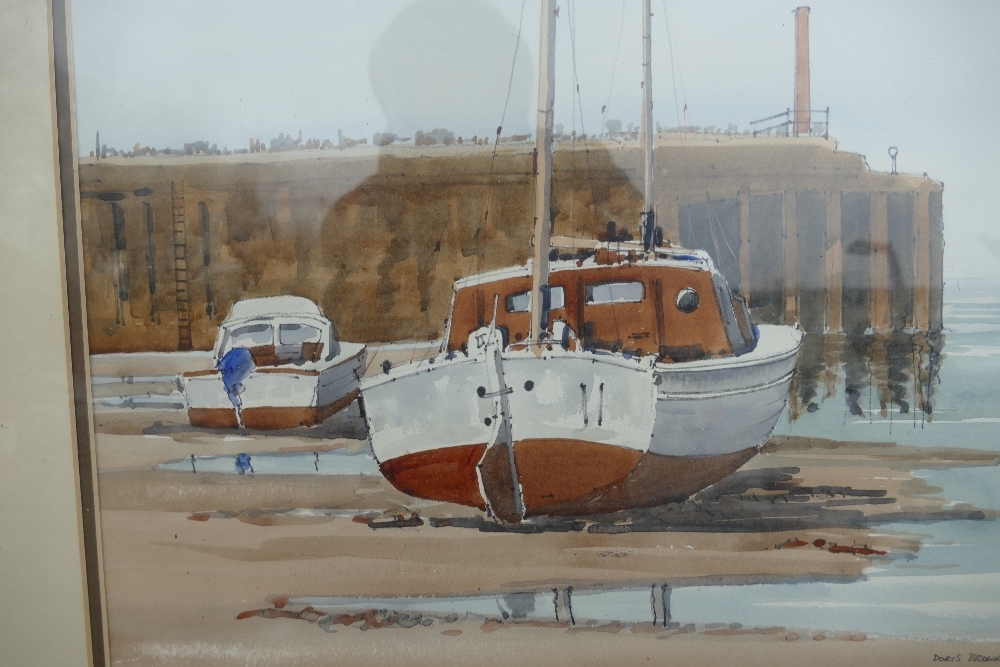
{"x": 616, "y": 292}
{"x": 252, "y": 335}
{"x": 521, "y": 302}
{"x": 296, "y": 334}
{"x": 735, "y": 317}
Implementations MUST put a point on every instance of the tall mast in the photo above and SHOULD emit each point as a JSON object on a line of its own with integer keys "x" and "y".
{"x": 648, "y": 218}
{"x": 543, "y": 167}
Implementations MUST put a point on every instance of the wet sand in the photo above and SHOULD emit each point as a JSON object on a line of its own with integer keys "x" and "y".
{"x": 186, "y": 553}
{"x": 291, "y": 642}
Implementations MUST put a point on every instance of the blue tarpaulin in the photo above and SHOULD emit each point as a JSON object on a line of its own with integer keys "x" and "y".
{"x": 235, "y": 366}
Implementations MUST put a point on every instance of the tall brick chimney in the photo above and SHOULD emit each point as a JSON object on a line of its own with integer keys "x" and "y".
{"x": 803, "y": 101}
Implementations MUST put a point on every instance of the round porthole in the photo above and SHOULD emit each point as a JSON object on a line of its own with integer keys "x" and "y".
{"x": 687, "y": 300}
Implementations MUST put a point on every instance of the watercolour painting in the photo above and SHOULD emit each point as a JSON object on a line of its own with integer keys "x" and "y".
{"x": 437, "y": 331}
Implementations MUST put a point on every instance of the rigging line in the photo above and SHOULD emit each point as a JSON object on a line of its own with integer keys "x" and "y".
{"x": 680, "y": 121}
{"x": 711, "y": 230}
{"x": 614, "y": 64}
{"x": 496, "y": 79}
{"x": 496, "y": 141}
{"x": 576, "y": 85}
{"x": 722, "y": 231}
{"x": 673, "y": 71}
{"x": 372, "y": 360}
{"x": 513, "y": 64}
{"x": 670, "y": 41}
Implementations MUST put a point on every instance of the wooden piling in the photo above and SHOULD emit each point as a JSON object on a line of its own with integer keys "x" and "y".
{"x": 791, "y": 242}
{"x": 879, "y": 220}
{"x": 834, "y": 263}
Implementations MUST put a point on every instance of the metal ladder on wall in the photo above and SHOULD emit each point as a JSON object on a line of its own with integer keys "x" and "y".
{"x": 180, "y": 267}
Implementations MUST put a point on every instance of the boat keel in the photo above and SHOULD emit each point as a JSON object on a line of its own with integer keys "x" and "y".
{"x": 656, "y": 480}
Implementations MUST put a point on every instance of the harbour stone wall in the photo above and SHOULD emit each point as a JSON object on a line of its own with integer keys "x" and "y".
{"x": 378, "y": 236}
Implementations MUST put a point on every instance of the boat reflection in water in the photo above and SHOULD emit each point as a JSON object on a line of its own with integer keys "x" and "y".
{"x": 892, "y": 375}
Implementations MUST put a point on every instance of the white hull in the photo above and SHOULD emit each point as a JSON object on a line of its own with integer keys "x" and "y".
{"x": 427, "y": 406}
{"x": 720, "y": 406}
{"x": 513, "y": 432}
{"x": 597, "y": 398}
{"x": 441, "y": 429}
{"x": 299, "y": 386}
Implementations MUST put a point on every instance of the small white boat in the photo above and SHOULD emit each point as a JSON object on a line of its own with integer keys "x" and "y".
{"x": 278, "y": 364}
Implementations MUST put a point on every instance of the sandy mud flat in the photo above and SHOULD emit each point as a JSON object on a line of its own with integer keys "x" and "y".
{"x": 213, "y": 568}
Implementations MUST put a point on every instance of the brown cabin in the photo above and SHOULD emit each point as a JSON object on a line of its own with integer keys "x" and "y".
{"x": 674, "y": 305}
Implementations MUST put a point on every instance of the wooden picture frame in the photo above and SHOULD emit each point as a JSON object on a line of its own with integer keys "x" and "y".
{"x": 51, "y": 561}
{"x": 49, "y": 517}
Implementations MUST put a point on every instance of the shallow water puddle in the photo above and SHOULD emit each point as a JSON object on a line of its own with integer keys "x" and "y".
{"x": 337, "y": 462}
{"x": 886, "y": 606}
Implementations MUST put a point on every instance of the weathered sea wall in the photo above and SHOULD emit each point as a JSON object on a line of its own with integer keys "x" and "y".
{"x": 377, "y": 236}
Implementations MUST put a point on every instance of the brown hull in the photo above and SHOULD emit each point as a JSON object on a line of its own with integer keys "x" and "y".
{"x": 554, "y": 472}
{"x": 447, "y": 474}
{"x": 559, "y": 477}
{"x": 657, "y": 480}
{"x": 551, "y": 472}
{"x": 268, "y": 419}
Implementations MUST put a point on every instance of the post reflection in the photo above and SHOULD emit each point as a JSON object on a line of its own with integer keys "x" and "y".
{"x": 884, "y": 374}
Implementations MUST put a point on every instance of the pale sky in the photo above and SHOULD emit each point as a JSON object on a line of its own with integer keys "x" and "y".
{"x": 918, "y": 75}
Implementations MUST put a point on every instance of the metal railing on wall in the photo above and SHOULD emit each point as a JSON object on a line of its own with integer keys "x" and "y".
{"x": 784, "y": 127}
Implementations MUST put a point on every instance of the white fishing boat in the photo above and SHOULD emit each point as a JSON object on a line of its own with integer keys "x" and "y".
{"x": 515, "y": 428}
{"x": 721, "y": 381}
{"x": 717, "y": 382}
{"x": 278, "y": 364}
